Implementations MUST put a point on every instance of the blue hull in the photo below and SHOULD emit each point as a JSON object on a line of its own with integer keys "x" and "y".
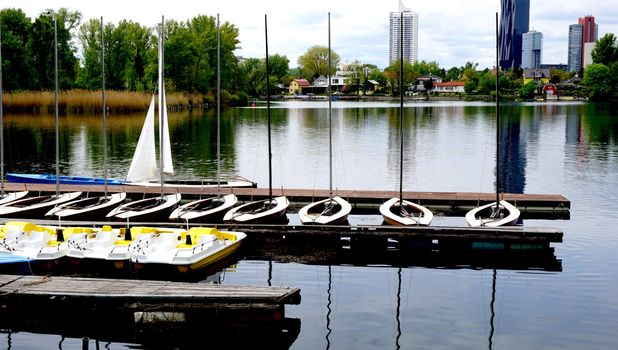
{"x": 51, "y": 179}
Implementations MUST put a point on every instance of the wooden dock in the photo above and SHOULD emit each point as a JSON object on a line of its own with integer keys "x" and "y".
{"x": 449, "y": 203}
{"x": 152, "y": 313}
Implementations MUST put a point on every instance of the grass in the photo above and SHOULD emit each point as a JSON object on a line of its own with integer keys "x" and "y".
{"x": 86, "y": 101}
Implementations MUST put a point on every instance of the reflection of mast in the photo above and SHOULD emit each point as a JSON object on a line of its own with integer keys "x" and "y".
{"x": 397, "y": 313}
{"x": 270, "y": 273}
{"x": 328, "y": 309}
{"x": 491, "y": 310}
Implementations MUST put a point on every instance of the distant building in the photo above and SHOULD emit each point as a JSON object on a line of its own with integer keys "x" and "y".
{"x": 410, "y": 35}
{"x": 532, "y": 49}
{"x": 541, "y": 76}
{"x": 588, "y": 47}
{"x": 449, "y": 87}
{"x": 297, "y": 86}
{"x": 514, "y": 22}
{"x": 420, "y": 82}
{"x": 560, "y": 66}
{"x": 585, "y": 31}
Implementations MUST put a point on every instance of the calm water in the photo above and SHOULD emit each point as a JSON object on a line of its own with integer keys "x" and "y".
{"x": 566, "y": 301}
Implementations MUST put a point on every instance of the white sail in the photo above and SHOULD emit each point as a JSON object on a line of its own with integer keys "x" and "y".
{"x": 144, "y": 164}
{"x": 166, "y": 157}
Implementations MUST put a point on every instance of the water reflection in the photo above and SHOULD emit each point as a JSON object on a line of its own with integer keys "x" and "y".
{"x": 512, "y": 177}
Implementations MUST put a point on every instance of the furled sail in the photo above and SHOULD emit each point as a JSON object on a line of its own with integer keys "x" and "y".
{"x": 144, "y": 164}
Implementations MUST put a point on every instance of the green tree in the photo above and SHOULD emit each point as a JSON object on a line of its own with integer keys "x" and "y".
{"x": 42, "y": 48}
{"x": 597, "y": 81}
{"x": 487, "y": 83}
{"x": 470, "y": 86}
{"x": 528, "y": 90}
{"x": 17, "y": 69}
{"x": 314, "y": 62}
{"x": 453, "y": 74}
{"x": 605, "y": 50}
{"x": 89, "y": 36}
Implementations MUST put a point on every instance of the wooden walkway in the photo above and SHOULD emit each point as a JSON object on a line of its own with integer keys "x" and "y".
{"x": 362, "y": 201}
{"x": 181, "y": 294}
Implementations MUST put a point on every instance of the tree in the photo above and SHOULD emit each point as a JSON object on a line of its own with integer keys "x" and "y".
{"x": 89, "y": 36}
{"x": 598, "y": 81}
{"x": 605, "y": 50}
{"x": 453, "y": 74}
{"x": 42, "y": 48}
{"x": 17, "y": 69}
{"x": 315, "y": 62}
{"x": 528, "y": 90}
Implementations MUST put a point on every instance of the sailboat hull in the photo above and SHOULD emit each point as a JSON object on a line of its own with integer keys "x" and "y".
{"x": 35, "y": 207}
{"x": 263, "y": 211}
{"x": 88, "y": 208}
{"x": 418, "y": 214}
{"x": 481, "y": 216}
{"x": 65, "y": 180}
{"x": 205, "y": 210}
{"x": 318, "y": 213}
{"x": 12, "y": 196}
{"x": 149, "y": 209}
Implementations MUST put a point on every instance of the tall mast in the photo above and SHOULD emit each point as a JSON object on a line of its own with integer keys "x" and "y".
{"x": 161, "y": 111}
{"x": 104, "y": 105}
{"x": 497, "y": 122}
{"x": 401, "y": 110}
{"x": 218, "y": 108}
{"x": 330, "y": 117}
{"x": 56, "y": 105}
{"x": 1, "y": 122}
{"x": 270, "y": 155}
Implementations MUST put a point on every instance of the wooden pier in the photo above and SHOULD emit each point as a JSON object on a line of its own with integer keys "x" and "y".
{"x": 363, "y": 201}
{"x": 152, "y": 313}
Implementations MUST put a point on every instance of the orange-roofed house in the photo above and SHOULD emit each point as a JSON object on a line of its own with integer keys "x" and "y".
{"x": 449, "y": 87}
{"x": 297, "y": 86}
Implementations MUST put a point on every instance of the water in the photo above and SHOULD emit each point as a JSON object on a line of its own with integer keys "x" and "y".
{"x": 565, "y": 301}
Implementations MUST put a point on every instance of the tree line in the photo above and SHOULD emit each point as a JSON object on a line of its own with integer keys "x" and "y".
{"x": 190, "y": 61}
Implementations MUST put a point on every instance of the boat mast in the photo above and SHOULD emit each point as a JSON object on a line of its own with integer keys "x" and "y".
{"x": 401, "y": 110}
{"x": 104, "y": 105}
{"x": 270, "y": 155}
{"x": 1, "y": 123}
{"x": 497, "y": 122}
{"x": 218, "y": 108}
{"x": 161, "y": 89}
{"x": 56, "y": 105}
{"x": 330, "y": 117}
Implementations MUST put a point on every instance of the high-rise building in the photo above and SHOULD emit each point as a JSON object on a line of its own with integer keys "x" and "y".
{"x": 532, "y": 49}
{"x": 514, "y": 22}
{"x": 410, "y": 35}
{"x": 575, "y": 48}
{"x": 585, "y": 31}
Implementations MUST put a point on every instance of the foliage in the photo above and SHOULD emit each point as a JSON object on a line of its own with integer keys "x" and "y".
{"x": 598, "y": 81}
{"x": 528, "y": 90}
{"x": 605, "y": 50}
{"x": 17, "y": 66}
{"x": 314, "y": 62}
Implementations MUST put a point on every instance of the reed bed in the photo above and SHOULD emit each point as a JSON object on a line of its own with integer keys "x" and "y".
{"x": 87, "y": 101}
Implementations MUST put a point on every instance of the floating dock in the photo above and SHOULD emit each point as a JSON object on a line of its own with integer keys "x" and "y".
{"x": 545, "y": 206}
{"x": 148, "y": 312}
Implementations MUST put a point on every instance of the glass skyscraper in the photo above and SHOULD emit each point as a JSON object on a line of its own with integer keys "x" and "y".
{"x": 514, "y": 22}
{"x": 532, "y": 49}
{"x": 410, "y": 35}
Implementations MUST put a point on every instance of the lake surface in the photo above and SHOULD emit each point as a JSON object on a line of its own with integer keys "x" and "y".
{"x": 566, "y": 300}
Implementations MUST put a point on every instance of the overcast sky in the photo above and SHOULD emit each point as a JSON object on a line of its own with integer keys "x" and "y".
{"x": 451, "y": 32}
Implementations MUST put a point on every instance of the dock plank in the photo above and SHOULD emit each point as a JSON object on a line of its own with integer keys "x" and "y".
{"x": 165, "y": 291}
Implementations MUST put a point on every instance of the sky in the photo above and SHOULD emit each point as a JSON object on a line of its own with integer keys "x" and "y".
{"x": 451, "y": 32}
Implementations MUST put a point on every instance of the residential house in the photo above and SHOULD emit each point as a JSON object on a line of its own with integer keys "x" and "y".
{"x": 449, "y": 87}
{"x": 539, "y": 75}
{"x": 297, "y": 86}
{"x": 420, "y": 82}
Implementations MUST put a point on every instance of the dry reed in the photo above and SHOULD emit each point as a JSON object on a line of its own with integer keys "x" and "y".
{"x": 86, "y": 101}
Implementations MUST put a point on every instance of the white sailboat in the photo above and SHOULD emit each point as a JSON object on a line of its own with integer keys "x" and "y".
{"x": 93, "y": 207}
{"x": 500, "y": 212}
{"x": 210, "y": 209}
{"x": 397, "y": 211}
{"x": 271, "y": 209}
{"x": 334, "y": 209}
{"x": 4, "y": 196}
{"x": 143, "y": 165}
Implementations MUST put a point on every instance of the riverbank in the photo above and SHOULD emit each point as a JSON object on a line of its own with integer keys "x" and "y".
{"x": 85, "y": 101}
